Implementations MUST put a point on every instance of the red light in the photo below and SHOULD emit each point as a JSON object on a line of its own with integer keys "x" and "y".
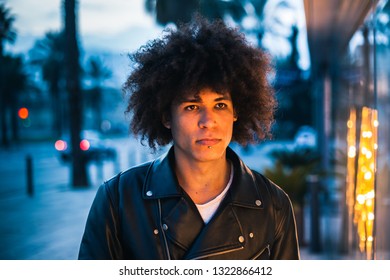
{"x": 60, "y": 145}
{"x": 23, "y": 113}
{"x": 84, "y": 145}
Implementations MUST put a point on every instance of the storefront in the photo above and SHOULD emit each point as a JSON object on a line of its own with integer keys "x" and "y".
{"x": 349, "y": 44}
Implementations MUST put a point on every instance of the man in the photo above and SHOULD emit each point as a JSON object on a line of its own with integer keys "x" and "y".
{"x": 198, "y": 88}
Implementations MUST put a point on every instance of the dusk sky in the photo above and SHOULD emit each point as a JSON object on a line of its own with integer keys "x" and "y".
{"x": 121, "y": 26}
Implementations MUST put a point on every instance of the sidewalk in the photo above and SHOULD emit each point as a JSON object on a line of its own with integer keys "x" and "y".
{"x": 47, "y": 226}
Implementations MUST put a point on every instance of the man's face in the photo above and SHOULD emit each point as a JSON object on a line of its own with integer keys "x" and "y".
{"x": 202, "y": 125}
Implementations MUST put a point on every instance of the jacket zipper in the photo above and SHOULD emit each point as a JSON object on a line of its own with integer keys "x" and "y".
{"x": 163, "y": 231}
{"x": 218, "y": 253}
{"x": 232, "y": 250}
{"x": 262, "y": 251}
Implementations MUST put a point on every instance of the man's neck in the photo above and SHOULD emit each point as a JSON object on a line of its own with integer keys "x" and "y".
{"x": 203, "y": 181}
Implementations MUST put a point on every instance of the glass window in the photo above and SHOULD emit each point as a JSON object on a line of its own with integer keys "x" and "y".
{"x": 363, "y": 140}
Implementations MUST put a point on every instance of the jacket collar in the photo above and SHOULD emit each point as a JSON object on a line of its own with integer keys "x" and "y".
{"x": 161, "y": 181}
{"x": 183, "y": 225}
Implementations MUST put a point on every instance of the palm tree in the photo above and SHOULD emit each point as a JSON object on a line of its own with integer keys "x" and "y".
{"x": 176, "y": 11}
{"x": 48, "y": 53}
{"x": 73, "y": 87}
{"x": 98, "y": 72}
{"x": 7, "y": 34}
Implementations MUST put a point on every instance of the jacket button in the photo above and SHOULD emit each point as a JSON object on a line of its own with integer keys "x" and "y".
{"x": 155, "y": 231}
{"x": 241, "y": 239}
{"x": 165, "y": 227}
{"x": 258, "y": 202}
{"x": 149, "y": 193}
{"x": 251, "y": 235}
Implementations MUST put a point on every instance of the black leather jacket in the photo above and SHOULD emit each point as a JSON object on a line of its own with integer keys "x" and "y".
{"x": 143, "y": 213}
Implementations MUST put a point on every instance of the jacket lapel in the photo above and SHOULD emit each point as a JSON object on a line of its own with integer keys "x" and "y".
{"x": 223, "y": 234}
{"x": 180, "y": 218}
{"x": 183, "y": 221}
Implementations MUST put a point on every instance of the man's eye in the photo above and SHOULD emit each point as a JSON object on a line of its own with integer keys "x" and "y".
{"x": 221, "y": 106}
{"x": 191, "y": 107}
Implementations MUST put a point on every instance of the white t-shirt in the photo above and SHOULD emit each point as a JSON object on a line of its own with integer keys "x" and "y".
{"x": 208, "y": 209}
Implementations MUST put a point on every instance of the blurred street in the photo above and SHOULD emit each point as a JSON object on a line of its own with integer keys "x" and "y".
{"x": 49, "y": 223}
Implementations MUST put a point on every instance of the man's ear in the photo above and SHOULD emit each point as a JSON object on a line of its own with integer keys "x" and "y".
{"x": 166, "y": 122}
{"x": 235, "y": 117}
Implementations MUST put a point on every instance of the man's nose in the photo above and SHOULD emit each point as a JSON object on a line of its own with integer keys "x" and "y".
{"x": 207, "y": 119}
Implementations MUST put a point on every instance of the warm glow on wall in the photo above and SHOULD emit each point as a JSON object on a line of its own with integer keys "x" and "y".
{"x": 361, "y": 198}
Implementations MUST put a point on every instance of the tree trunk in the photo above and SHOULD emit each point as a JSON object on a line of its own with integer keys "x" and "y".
{"x": 3, "y": 107}
{"x": 14, "y": 123}
{"x": 4, "y": 126}
{"x": 79, "y": 165}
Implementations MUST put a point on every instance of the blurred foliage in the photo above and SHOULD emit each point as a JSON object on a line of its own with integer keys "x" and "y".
{"x": 293, "y": 91}
{"x": 14, "y": 79}
{"x": 98, "y": 73}
{"x": 290, "y": 171}
{"x": 296, "y": 157}
{"x": 49, "y": 54}
{"x": 176, "y": 11}
{"x": 7, "y": 31}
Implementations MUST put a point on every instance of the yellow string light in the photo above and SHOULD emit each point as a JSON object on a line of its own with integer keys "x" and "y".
{"x": 364, "y": 194}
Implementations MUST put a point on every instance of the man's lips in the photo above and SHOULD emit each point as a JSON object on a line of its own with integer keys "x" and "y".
{"x": 208, "y": 141}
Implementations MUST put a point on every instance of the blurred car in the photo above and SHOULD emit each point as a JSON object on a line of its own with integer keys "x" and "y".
{"x": 306, "y": 137}
{"x": 91, "y": 145}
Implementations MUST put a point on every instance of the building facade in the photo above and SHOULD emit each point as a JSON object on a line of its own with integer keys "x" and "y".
{"x": 349, "y": 44}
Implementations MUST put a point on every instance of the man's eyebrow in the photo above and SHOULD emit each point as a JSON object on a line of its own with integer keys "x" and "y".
{"x": 197, "y": 99}
{"x": 223, "y": 97}
{"x": 191, "y": 99}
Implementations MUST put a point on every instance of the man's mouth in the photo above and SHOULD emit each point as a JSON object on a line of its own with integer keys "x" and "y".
{"x": 208, "y": 141}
